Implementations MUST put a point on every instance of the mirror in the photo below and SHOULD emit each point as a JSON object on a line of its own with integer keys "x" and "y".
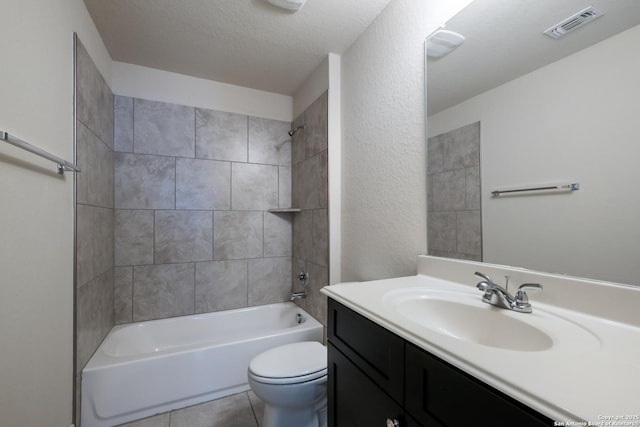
{"x": 548, "y": 111}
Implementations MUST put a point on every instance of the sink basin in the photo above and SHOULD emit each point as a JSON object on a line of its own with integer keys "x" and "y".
{"x": 463, "y": 316}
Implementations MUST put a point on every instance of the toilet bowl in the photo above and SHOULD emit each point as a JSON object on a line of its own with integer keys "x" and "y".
{"x": 291, "y": 380}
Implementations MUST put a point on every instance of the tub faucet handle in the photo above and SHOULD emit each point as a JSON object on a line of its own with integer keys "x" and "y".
{"x": 303, "y": 276}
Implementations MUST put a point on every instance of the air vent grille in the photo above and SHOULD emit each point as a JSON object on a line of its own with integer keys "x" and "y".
{"x": 578, "y": 20}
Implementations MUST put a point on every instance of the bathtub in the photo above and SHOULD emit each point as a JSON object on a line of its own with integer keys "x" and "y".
{"x": 146, "y": 368}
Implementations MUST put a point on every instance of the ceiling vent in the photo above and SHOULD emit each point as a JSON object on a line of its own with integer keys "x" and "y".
{"x": 578, "y": 20}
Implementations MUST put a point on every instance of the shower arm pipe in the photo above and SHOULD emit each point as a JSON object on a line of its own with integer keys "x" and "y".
{"x": 296, "y": 129}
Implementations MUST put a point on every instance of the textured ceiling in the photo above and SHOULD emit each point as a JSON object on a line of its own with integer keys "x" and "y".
{"x": 243, "y": 42}
{"x": 505, "y": 40}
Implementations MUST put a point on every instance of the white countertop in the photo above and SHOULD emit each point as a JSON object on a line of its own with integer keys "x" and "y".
{"x": 595, "y": 381}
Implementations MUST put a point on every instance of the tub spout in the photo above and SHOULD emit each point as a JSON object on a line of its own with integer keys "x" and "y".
{"x": 298, "y": 295}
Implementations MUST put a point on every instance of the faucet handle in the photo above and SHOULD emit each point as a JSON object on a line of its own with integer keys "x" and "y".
{"x": 521, "y": 295}
{"x": 485, "y": 277}
{"x": 483, "y": 286}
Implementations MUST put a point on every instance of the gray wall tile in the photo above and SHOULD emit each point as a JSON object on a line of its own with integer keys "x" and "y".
{"x": 277, "y": 234}
{"x": 165, "y": 129}
{"x": 161, "y": 291}
{"x": 94, "y": 298}
{"x": 134, "y": 237}
{"x": 309, "y": 183}
{"x": 254, "y": 187}
{"x": 298, "y": 141}
{"x": 95, "y": 182}
{"x": 435, "y": 155}
{"x": 123, "y": 295}
{"x": 94, "y": 105}
{"x": 441, "y": 231}
{"x": 238, "y": 230}
{"x": 323, "y": 179}
{"x": 269, "y": 142}
{"x": 221, "y": 285}
{"x": 221, "y": 135}
{"x": 316, "y": 303}
{"x": 468, "y": 234}
{"x": 449, "y": 191}
{"x": 473, "y": 187}
{"x": 284, "y": 187}
{"x": 303, "y": 235}
{"x": 309, "y": 191}
{"x": 269, "y": 280}
{"x": 237, "y": 235}
{"x": 123, "y": 123}
{"x": 144, "y": 182}
{"x": 462, "y": 147}
{"x": 94, "y": 315}
{"x": 94, "y": 242}
{"x": 454, "y": 223}
{"x": 183, "y": 236}
{"x": 320, "y": 237}
{"x": 203, "y": 184}
{"x": 316, "y": 120}
{"x": 296, "y": 197}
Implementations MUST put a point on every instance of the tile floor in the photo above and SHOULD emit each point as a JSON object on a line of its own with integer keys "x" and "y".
{"x": 238, "y": 410}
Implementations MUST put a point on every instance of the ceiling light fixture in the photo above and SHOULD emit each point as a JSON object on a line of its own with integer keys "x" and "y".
{"x": 292, "y": 5}
{"x": 442, "y": 43}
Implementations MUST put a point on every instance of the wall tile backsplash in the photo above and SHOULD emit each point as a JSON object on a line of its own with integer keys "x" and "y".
{"x": 192, "y": 189}
{"x": 144, "y": 182}
{"x": 221, "y": 135}
{"x": 309, "y": 192}
{"x": 94, "y": 278}
{"x": 454, "y": 224}
{"x": 164, "y": 129}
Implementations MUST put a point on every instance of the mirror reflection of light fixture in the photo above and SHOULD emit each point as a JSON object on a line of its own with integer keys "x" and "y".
{"x": 443, "y": 42}
{"x": 292, "y": 5}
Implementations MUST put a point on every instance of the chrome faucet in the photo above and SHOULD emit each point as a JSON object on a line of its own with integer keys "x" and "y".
{"x": 303, "y": 276}
{"x": 298, "y": 295}
{"x": 495, "y": 294}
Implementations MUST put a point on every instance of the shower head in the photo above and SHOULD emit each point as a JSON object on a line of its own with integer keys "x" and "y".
{"x": 294, "y": 130}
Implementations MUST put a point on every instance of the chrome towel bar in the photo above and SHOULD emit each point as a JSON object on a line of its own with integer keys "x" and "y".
{"x": 566, "y": 187}
{"x": 63, "y": 165}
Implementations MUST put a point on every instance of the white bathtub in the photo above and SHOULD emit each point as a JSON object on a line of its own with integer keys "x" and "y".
{"x": 146, "y": 368}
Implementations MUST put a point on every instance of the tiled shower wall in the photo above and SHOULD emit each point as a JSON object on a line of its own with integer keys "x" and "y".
{"x": 94, "y": 210}
{"x": 192, "y": 229}
{"x": 310, "y": 194}
{"x": 454, "y": 222}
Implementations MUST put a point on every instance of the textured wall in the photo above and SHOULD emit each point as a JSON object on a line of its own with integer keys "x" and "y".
{"x": 384, "y": 183}
{"x": 454, "y": 221}
{"x": 192, "y": 191}
{"x": 94, "y": 210}
{"x": 384, "y": 173}
{"x": 310, "y": 194}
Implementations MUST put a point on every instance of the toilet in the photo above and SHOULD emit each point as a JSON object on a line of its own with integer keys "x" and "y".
{"x": 291, "y": 380}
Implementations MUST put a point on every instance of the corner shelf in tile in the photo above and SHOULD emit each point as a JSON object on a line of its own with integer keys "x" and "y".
{"x": 285, "y": 210}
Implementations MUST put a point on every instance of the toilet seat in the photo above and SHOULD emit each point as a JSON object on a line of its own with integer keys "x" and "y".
{"x": 290, "y": 364}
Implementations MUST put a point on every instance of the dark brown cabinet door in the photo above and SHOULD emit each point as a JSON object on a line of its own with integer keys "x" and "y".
{"x": 378, "y": 352}
{"x": 354, "y": 399}
{"x": 438, "y": 394}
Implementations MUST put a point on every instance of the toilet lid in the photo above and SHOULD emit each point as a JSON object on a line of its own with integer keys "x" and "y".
{"x": 290, "y": 360}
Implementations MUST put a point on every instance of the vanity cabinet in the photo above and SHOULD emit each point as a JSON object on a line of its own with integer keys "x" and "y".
{"x": 376, "y": 376}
